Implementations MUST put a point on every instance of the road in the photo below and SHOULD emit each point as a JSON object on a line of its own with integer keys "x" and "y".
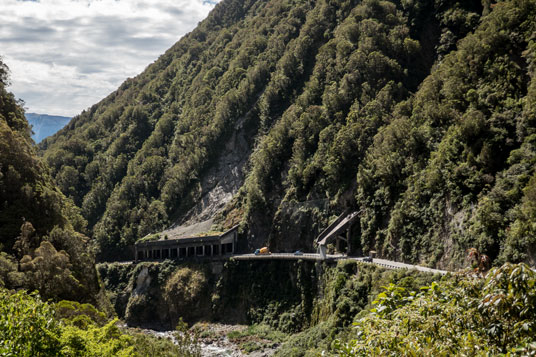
{"x": 388, "y": 264}
{"x": 285, "y": 256}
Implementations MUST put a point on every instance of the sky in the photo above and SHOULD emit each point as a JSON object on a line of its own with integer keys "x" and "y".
{"x": 66, "y": 55}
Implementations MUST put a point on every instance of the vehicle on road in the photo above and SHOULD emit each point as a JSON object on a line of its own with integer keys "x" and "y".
{"x": 262, "y": 251}
{"x": 298, "y": 252}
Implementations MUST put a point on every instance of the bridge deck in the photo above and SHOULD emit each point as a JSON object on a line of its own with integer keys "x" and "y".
{"x": 285, "y": 256}
{"x": 388, "y": 264}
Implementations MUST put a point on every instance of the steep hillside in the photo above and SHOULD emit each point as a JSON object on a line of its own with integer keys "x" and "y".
{"x": 269, "y": 110}
{"x": 453, "y": 167}
{"x": 40, "y": 247}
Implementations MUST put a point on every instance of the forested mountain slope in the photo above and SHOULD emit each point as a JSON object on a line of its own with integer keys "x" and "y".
{"x": 454, "y": 168}
{"x": 418, "y": 113}
{"x": 40, "y": 244}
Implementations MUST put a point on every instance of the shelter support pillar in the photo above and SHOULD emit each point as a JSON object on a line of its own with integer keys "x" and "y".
{"x": 348, "y": 239}
{"x": 322, "y": 251}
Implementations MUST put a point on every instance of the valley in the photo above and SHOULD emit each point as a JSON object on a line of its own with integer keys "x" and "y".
{"x": 290, "y": 178}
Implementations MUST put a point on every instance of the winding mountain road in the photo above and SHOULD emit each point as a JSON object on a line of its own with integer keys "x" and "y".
{"x": 388, "y": 264}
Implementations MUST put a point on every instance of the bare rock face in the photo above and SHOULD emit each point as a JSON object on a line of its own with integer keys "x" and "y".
{"x": 146, "y": 306}
{"x": 188, "y": 230}
{"x": 143, "y": 281}
{"x": 221, "y": 181}
{"x": 217, "y": 187}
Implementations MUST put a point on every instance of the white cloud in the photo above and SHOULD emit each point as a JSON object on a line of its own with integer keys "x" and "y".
{"x": 66, "y": 55}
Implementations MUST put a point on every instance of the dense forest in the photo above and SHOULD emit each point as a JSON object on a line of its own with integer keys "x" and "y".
{"x": 420, "y": 114}
{"x": 41, "y": 231}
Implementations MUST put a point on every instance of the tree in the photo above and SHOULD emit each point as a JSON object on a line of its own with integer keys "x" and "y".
{"x": 49, "y": 272}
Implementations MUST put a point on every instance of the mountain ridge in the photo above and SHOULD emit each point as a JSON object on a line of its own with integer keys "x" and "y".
{"x": 44, "y": 125}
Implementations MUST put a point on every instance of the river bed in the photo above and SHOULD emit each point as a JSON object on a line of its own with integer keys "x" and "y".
{"x": 213, "y": 341}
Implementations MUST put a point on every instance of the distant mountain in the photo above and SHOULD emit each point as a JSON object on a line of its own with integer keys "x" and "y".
{"x": 44, "y": 125}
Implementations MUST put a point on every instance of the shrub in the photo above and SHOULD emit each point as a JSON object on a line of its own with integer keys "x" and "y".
{"x": 27, "y": 326}
{"x": 183, "y": 289}
{"x": 30, "y": 327}
{"x": 459, "y": 316}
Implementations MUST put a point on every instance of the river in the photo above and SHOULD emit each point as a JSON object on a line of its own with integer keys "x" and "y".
{"x": 213, "y": 341}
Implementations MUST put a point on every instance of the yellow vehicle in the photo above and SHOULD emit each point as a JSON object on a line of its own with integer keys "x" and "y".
{"x": 262, "y": 251}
